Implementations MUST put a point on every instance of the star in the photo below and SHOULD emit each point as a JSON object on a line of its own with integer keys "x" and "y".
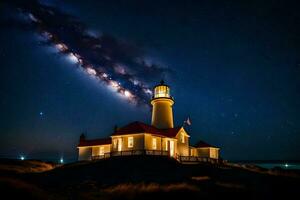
{"x": 41, "y": 113}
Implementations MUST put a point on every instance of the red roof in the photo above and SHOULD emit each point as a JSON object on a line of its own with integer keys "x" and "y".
{"x": 202, "y": 144}
{"x": 95, "y": 142}
{"x": 139, "y": 127}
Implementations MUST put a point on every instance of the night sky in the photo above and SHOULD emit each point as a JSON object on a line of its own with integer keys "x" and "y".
{"x": 233, "y": 68}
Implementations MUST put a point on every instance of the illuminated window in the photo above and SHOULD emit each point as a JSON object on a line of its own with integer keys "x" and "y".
{"x": 172, "y": 148}
{"x": 130, "y": 142}
{"x": 119, "y": 144}
{"x": 115, "y": 143}
{"x": 101, "y": 151}
{"x": 154, "y": 143}
{"x": 166, "y": 145}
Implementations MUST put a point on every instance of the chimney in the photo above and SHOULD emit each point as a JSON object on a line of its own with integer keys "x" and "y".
{"x": 116, "y": 128}
{"x": 82, "y": 137}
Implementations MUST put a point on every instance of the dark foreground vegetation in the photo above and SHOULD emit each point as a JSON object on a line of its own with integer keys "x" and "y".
{"x": 144, "y": 178}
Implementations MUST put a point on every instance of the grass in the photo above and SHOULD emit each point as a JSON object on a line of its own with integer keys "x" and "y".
{"x": 126, "y": 188}
{"x": 142, "y": 178}
{"x": 25, "y": 166}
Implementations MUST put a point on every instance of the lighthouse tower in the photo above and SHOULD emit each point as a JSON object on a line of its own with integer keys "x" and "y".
{"x": 162, "y": 102}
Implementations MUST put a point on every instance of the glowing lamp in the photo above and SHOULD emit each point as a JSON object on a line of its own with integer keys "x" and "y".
{"x": 162, "y": 90}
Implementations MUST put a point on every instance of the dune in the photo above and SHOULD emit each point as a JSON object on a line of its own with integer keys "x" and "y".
{"x": 25, "y": 166}
{"x": 143, "y": 177}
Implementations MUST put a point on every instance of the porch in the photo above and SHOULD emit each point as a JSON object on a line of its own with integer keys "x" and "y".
{"x": 196, "y": 159}
{"x": 131, "y": 153}
{"x": 181, "y": 159}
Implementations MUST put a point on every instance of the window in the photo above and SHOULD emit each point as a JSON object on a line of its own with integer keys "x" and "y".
{"x": 130, "y": 142}
{"x": 166, "y": 145}
{"x": 182, "y": 137}
{"x": 101, "y": 151}
{"x": 119, "y": 144}
{"x": 115, "y": 141}
{"x": 172, "y": 148}
{"x": 154, "y": 143}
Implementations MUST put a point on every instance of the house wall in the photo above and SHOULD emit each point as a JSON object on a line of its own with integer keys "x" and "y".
{"x": 183, "y": 148}
{"x": 96, "y": 149}
{"x": 138, "y": 142}
{"x": 149, "y": 142}
{"x": 214, "y": 153}
{"x": 203, "y": 152}
{"x": 85, "y": 153}
{"x": 165, "y": 145}
{"x": 193, "y": 152}
{"x": 162, "y": 143}
{"x": 208, "y": 152}
{"x": 175, "y": 145}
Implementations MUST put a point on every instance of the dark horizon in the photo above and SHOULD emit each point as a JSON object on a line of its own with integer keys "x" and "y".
{"x": 232, "y": 67}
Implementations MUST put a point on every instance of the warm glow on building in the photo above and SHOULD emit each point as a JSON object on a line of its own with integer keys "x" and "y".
{"x": 182, "y": 137}
{"x": 172, "y": 146}
{"x": 101, "y": 151}
{"x": 119, "y": 144}
{"x": 162, "y": 102}
{"x": 159, "y": 138}
{"x": 115, "y": 142}
{"x": 130, "y": 142}
{"x": 154, "y": 146}
{"x": 162, "y": 91}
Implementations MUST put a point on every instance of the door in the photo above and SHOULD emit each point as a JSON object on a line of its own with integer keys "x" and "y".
{"x": 172, "y": 148}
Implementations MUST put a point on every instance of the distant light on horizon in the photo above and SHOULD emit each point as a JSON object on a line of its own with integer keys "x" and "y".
{"x": 61, "y": 160}
{"x": 286, "y": 165}
{"x": 22, "y": 158}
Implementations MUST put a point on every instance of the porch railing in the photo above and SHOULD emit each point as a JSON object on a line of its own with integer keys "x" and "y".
{"x": 196, "y": 159}
{"x": 182, "y": 159}
{"x": 131, "y": 153}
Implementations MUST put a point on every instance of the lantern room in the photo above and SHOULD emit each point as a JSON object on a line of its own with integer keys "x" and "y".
{"x": 161, "y": 90}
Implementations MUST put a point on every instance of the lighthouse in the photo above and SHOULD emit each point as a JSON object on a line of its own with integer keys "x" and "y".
{"x": 160, "y": 138}
{"x": 162, "y": 102}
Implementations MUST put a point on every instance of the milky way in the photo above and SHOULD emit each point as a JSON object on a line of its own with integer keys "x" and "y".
{"x": 120, "y": 65}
